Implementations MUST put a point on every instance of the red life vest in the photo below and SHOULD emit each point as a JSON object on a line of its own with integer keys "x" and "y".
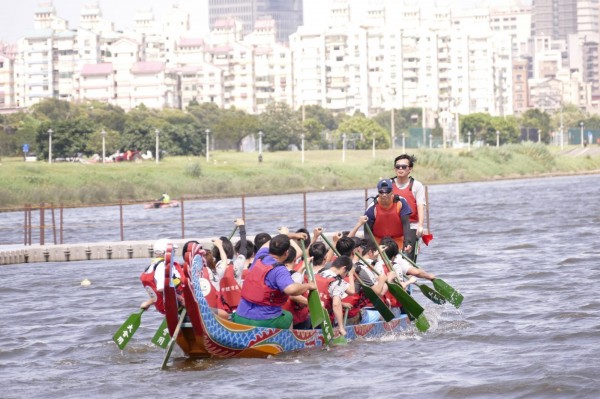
{"x": 323, "y": 287}
{"x": 149, "y": 283}
{"x": 391, "y": 299}
{"x": 388, "y": 223}
{"x": 208, "y": 289}
{"x": 298, "y": 265}
{"x": 256, "y": 291}
{"x": 353, "y": 299}
{"x": 230, "y": 291}
{"x": 299, "y": 312}
{"x": 409, "y": 197}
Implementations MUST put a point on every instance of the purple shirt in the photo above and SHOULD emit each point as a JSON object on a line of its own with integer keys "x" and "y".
{"x": 278, "y": 278}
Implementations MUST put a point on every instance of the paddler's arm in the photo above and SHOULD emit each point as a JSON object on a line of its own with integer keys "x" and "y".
{"x": 299, "y": 289}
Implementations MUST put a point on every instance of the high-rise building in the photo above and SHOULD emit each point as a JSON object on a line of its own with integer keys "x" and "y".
{"x": 287, "y": 14}
{"x": 554, "y": 18}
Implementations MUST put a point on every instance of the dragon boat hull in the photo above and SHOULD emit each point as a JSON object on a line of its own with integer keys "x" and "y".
{"x": 207, "y": 335}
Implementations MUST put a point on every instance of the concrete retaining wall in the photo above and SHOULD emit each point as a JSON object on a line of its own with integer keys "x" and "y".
{"x": 91, "y": 251}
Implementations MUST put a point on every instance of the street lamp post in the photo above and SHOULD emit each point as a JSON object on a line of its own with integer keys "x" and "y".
{"x": 103, "y": 133}
{"x": 260, "y": 136}
{"x": 207, "y": 131}
{"x": 302, "y": 146}
{"x": 157, "y": 149}
{"x": 373, "y": 145}
{"x": 581, "y": 125}
{"x": 430, "y": 140}
{"x": 497, "y": 138}
{"x": 343, "y": 147}
{"x": 50, "y": 145}
{"x": 469, "y": 136}
{"x": 403, "y": 142}
{"x": 393, "y": 129}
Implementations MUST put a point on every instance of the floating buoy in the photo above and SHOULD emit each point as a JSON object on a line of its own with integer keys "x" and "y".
{"x": 86, "y": 282}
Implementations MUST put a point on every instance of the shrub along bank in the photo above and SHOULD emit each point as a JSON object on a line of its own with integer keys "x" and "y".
{"x": 233, "y": 173}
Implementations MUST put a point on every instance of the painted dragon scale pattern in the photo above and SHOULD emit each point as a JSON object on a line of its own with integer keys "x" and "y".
{"x": 224, "y": 339}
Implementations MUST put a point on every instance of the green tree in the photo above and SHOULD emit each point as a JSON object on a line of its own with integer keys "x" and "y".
{"x": 315, "y": 134}
{"x": 537, "y": 119}
{"x": 324, "y": 116}
{"x": 53, "y": 110}
{"x": 478, "y": 124}
{"x": 281, "y": 127}
{"x": 94, "y": 143}
{"x": 69, "y": 137}
{"x": 365, "y": 129}
{"x": 232, "y": 128}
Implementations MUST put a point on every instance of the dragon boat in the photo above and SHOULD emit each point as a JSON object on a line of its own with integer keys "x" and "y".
{"x": 203, "y": 334}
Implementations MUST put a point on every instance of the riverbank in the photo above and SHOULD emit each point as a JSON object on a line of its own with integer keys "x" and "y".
{"x": 232, "y": 173}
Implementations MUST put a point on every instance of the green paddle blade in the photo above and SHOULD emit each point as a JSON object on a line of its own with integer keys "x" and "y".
{"x": 432, "y": 294}
{"x": 410, "y": 305}
{"x": 315, "y": 309}
{"x": 381, "y": 307}
{"x": 327, "y": 328}
{"x": 161, "y": 336}
{"x": 451, "y": 295}
{"x": 341, "y": 340}
{"x": 127, "y": 329}
{"x": 422, "y": 323}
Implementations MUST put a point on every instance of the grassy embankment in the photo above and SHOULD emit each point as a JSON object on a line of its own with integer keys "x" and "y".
{"x": 232, "y": 173}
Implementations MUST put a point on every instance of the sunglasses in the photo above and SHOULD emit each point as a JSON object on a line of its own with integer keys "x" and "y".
{"x": 384, "y": 192}
{"x": 401, "y": 166}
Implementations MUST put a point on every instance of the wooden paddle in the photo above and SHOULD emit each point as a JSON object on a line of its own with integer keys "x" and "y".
{"x": 427, "y": 237}
{"x": 443, "y": 288}
{"x": 408, "y": 302}
{"x": 173, "y": 340}
{"x": 318, "y": 315}
{"x": 233, "y": 232}
{"x": 127, "y": 329}
{"x": 375, "y": 299}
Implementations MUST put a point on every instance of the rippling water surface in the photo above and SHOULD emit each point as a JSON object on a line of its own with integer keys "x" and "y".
{"x": 524, "y": 253}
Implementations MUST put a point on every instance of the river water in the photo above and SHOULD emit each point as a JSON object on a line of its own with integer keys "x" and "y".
{"x": 524, "y": 253}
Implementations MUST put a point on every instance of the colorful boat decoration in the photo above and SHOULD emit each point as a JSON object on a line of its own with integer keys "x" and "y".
{"x": 207, "y": 335}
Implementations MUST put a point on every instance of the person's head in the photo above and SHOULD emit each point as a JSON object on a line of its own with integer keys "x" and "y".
{"x": 227, "y": 247}
{"x": 342, "y": 263}
{"x": 279, "y": 245}
{"x": 317, "y": 250}
{"x": 260, "y": 239}
{"x": 391, "y": 247}
{"x": 249, "y": 248}
{"x": 159, "y": 248}
{"x": 291, "y": 256}
{"x": 188, "y": 247}
{"x": 368, "y": 247}
{"x": 403, "y": 164}
{"x": 307, "y": 240}
{"x": 385, "y": 190}
{"x": 345, "y": 245}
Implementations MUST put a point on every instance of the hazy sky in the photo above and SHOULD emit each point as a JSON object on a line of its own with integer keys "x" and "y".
{"x": 16, "y": 17}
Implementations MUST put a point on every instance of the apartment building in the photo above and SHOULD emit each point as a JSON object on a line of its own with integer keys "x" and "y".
{"x": 7, "y": 76}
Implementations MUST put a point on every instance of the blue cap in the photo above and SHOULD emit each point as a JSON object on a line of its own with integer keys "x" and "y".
{"x": 385, "y": 185}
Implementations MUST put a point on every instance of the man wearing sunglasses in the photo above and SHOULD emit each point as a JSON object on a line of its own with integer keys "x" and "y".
{"x": 414, "y": 192}
{"x": 389, "y": 216}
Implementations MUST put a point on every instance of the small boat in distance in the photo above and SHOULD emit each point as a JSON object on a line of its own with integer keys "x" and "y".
{"x": 157, "y": 205}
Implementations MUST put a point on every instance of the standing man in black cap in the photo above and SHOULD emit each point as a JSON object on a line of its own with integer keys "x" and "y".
{"x": 389, "y": 216}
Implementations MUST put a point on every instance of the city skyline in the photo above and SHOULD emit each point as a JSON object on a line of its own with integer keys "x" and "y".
{"x": 16, "y": 19}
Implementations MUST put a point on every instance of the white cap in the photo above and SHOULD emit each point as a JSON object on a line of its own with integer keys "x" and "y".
{"x": 160, "y": 246}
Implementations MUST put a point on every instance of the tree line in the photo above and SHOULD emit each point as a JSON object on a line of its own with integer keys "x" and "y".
{"x": 77, "y": 128}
